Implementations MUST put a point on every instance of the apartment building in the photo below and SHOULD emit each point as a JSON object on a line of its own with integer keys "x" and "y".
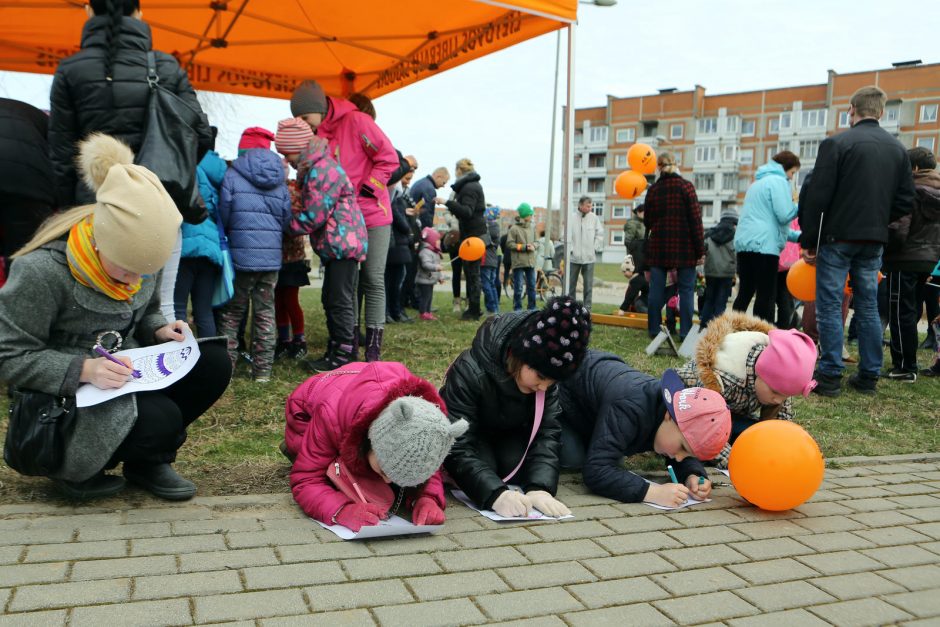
{"x": 719, "y": 141}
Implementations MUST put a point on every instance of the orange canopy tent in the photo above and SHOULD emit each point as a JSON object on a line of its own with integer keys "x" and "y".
{"x": 266, "y": 47}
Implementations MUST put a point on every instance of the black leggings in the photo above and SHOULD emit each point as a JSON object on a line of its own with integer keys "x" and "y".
{"x": 164, "y": 415}
{"x": 757, "y": 273}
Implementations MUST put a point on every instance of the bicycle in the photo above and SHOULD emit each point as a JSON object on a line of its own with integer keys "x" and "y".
{"x": 549, "y": 284}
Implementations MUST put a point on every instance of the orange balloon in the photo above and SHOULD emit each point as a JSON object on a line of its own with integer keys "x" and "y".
{"x": 642, "y": 158}
{"x": 801, "y": 281}
{"x": 776, "y": 465}
{"x": 848, "y": 288}
{"x": 472, "y": 249}
{"x": 630, "y": 184}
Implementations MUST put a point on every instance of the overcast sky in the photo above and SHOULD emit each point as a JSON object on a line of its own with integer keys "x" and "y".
{"x": 497, "y": 110}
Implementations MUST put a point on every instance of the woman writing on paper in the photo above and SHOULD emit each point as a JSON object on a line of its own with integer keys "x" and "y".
{"x": 89, "y": 279}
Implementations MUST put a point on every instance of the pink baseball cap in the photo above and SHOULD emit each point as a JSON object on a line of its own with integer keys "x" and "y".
{"x": 787, "y": 364}
{"x": 702, "y": 415}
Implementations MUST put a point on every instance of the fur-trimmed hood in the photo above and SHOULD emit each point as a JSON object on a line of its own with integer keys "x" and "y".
{"x": 717, "y": 351}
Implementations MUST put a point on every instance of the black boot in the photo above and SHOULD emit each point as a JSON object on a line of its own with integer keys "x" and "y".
{"x": 160, "y": 480}
{"x": 863, "y": 384}
{"x": 282, "y": 349}
{"x": 322, "y": 364}
{"x": 374, "y": 343}
{"x": 827, "y": 385}
{"x": 99, "y": 486}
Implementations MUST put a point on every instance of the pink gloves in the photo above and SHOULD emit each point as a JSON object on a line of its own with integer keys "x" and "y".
{"x": 427, "y": 512}
{"x": 355, "y": 516}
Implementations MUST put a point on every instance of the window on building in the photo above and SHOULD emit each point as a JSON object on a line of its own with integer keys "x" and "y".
{"x": 729, "y": 181}
{"x": 801, "y": 176}
{"x": 809, "y": 149}
{"x": 598, "y": 207}
{"x": 892, "y": 113}
{"x": 620, "y": 161}
{"x": 731, "y": 124}
{"x": 781, "y": 147}
{"x": 708, "y": 211}
{"x": 706, "y": 154}
{"x": 746, "y": 156}
{"x": 577, "y": 186}
{"x": 650, "y": 129}
{"x": 626, "y": 135}
{"x": 813, "y": 118}
{"x": 771, "y": 151}
{"x": 748, "y": 127}
{"x": 925, "y": 142}
{"x": 616, "y": 237}
{"x": 579, "y": 136}
{"x": 844, "y": 121}
{"x": 773, "y": 126}
{"x": 598, "y": 134}
{"x": 678, "y": 155}
{"x": 595, "y": 186}
{"x": 676, "y": 131}
{"x": 708, "y": 126}
{"x": 704, "y": 182}
{"x": 729, "y": 153}
{"x": 577, "y": 162}
{"x": 786, "y": 120}
{"x": 597, "y": 160}
{"x": 618, "y": 211}
{"x": 928, "y": 113}
{"x": 743, "y": 183}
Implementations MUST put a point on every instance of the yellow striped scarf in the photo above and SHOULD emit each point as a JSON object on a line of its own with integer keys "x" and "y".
{"x": 86, "y": 265}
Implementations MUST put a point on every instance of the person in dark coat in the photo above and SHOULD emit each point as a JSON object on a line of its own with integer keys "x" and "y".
{"x": 611, "y": 411}
{"x": 468, "y": 207}
{"x": 426, "y": 190}
{"x": 399, "y": 253}
{"x": 497, "y": 386}
{"x": 26, "y": 182}
{"x": 675, "y": 239}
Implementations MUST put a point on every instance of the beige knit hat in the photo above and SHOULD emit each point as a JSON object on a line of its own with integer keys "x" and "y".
{"x": 135, "y": 220}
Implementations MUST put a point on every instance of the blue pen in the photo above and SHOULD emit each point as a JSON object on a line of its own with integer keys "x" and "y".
{"x": 672, "y": 474}
{"x": 104, "y": 353}
{"x": 701, "y": 480}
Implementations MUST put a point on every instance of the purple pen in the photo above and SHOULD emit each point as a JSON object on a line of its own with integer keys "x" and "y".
{"x": 104, "y": 353}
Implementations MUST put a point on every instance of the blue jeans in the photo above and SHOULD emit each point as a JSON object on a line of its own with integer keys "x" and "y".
{"x": 490, "y": 279}
{"x": 833, "y": 263}
{"x": 715, "y": 301}
{"x": 517, "y": 277}
{"x": 657, "y": 299}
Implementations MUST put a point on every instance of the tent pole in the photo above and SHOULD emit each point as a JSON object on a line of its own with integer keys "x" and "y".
{"x": 568, "y": 155}
{"x": 549, "y": 260}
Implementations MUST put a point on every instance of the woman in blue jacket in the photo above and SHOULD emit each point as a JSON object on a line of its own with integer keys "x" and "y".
{"x": 763, "y": 231}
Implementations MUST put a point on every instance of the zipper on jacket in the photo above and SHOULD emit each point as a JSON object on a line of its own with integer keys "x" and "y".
{"x": 353, "y": 482}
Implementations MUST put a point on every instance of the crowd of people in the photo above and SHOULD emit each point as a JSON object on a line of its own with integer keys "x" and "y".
{"x": 111, "y": 261}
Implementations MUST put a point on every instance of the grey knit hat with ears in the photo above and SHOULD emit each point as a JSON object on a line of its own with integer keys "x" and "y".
{"x": 411, "y": 438}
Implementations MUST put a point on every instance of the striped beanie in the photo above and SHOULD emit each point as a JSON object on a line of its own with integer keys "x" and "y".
{"x": 293, "y": 136}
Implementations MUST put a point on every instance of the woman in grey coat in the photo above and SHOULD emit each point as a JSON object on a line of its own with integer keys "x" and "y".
{"x": 88, "y": 279}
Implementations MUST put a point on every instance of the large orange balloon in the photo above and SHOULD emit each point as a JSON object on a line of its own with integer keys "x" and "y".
{"x": 776, "y": 465}
{"x": 472, "y": 249}
{"x": 642, "y": 158}
{"x": 848, "y": 288}
{"x": 801, "y": 281}
{"x": 630, "y": 184}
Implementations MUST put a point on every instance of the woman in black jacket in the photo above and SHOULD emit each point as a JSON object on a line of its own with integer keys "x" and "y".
{"x": 103, "y": 87}
{"x": 468, "y": 206}
{"x": 399, "y": 255}
{"x": 496, "y": 386}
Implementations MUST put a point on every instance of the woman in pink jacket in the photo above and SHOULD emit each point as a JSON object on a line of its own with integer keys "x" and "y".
{"x": 368, "y": 441}
{"x": 369, "y": 159}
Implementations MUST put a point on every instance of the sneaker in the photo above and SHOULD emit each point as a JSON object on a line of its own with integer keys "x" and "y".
{"x": 827, "y": 385}
{"x": 282, "y": 349}
{"x": 428, "y": 316}
{"x": 929, "y": 344}
{"x": 469, "y": 315}
{"x": 247, "y": 357}
{"x": 403, "y": 317}
{"x": 933, "y": 371}
{"x": 262, "y": 379}
{"x": 863, "y": 385}
{"x": 99, "y": 486}
{"x": 297, "y": 349}
{"x": 456, "y": 305}
{"x": 896, "y": 374}
{"x": 160, "y": 480}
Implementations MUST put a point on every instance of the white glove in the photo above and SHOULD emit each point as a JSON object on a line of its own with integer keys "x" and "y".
{"x": 547, "y": 504}
{"x": 511, "y": 503}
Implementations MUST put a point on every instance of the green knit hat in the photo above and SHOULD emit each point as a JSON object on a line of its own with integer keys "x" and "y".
{"x": 524, "y": 210}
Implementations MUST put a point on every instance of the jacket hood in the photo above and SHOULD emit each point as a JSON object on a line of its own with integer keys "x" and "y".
{"x": 316, "y": 150}
{"x": 927, "y": 184}
{"x": 469, "y": 177}
{"x": 707, "y": 351}
{"x": 722, "y": 233}
{"x": 339, "y": 108}
{"x": 770, "y": 169}
{"x": 490, "y": 347}
{"x": 134, "y": 34}
{"x": 376, "y": 386}
{"x": 214, "y": 167}
{"x": 521, "y": 221}
{"x": 262, "y": 168}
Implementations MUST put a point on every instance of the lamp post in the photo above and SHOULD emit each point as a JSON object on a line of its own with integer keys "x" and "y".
{"x": 567, "y": 152}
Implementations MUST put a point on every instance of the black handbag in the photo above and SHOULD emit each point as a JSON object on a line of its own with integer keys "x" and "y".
{"x": 39, "y": 424}
{"x": 170, "y": 145}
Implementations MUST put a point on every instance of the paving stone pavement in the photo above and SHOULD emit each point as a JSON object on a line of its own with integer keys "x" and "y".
{"x": 864, "y": 551}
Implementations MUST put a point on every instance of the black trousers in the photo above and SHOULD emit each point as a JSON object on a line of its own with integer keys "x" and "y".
{"x": 425, "y": 296}
{"x": 903, "y": 313}
{"x": 338, "y": 295}
{"x": 471, "y": 270}
{"x": 785, "y": 305}
{"x": 164, "y": 415}
{"x": 757, "y": 275}
{"x": 456, "y": 265}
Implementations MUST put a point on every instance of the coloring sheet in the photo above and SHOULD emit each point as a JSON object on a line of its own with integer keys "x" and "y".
{"x": 394, "y": 526}
{"x": 160, "y": 366}
{"x": 533, "y": 514}
{"x": 689, "y": 502}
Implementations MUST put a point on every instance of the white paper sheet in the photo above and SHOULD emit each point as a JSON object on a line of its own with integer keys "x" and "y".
{"x": 724, "y": 472}
{"x": 394, "y": 526}
{"x": 533, "y": 514}
{"x": 160, "y": 366}
{"x": 689, "y": 501}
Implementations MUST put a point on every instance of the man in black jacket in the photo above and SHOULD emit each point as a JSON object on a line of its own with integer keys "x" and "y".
{"x": 861, "y": 182}
{"x": 468, "y": 206}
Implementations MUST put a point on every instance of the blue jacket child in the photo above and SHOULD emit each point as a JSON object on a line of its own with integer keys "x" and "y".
{"x": 202, "y": 240}
{"x": 764, "y": 225}
{"x": 254, "y": 206}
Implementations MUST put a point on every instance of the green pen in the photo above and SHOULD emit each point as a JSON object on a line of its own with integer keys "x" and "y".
{"x": 701, "y": 480}
{"x": 672, "y": 474}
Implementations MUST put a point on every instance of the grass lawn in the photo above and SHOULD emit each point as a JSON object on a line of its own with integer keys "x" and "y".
{"x": 609, "y": 272}
{"x": 233, "y": 448}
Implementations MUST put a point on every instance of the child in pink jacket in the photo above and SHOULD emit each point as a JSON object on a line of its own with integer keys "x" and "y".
{"x": 368, "y": 442}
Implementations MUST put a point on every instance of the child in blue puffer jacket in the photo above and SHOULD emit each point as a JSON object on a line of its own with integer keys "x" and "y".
{"x": 254, "y": 207}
